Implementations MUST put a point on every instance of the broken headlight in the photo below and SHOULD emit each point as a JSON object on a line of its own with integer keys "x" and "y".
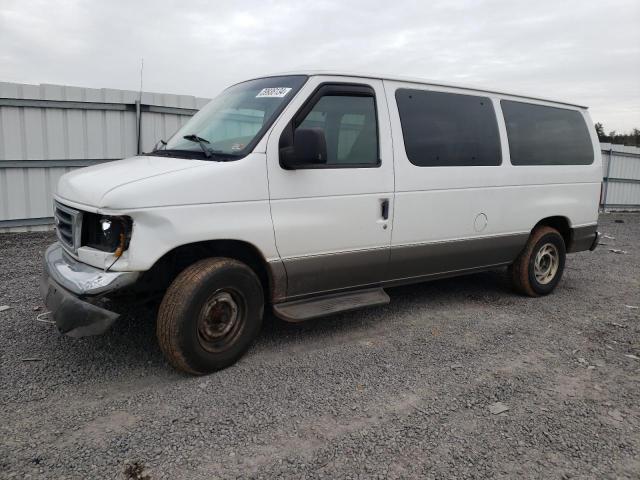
{"x": 106, "y": 233}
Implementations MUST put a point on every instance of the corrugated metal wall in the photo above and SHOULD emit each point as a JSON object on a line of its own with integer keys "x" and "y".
{"x": 47, "y": 130}
{"x": 621, "y": 167}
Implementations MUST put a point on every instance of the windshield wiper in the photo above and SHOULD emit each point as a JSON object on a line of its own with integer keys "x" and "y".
{"x": 203, "y": 142}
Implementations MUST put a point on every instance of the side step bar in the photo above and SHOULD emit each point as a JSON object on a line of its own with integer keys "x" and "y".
{"x": 300, "y": 310}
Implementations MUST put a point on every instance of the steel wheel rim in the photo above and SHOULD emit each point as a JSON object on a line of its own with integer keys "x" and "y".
{"x": 546, "y": 264}
{"x": 221, "y": 319}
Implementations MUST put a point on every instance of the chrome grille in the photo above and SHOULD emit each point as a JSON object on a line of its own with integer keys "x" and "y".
{"x": 68, "y": 226}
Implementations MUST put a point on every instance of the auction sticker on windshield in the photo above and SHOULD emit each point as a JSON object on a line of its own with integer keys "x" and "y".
{"x": 273, "y": 92}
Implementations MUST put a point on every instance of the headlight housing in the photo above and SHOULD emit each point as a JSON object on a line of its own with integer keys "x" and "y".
{"x": 106, "y": 233}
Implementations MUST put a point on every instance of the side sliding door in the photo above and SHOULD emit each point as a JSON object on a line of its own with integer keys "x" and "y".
{"x": 450, "y": 179}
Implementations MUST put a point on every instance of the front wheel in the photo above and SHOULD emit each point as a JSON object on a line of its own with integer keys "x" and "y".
{"x": 539, "y": 267}
{"x": 210, "y": 315}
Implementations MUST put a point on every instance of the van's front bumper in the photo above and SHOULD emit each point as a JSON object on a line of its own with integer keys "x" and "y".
{"x": 71, "y": 290}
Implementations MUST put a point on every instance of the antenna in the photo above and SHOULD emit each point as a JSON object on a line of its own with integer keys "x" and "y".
{"x": 139, "y": 112}
{"x": 141, "y": 70}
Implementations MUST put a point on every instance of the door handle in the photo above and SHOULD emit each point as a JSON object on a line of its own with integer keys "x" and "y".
{"x": 385, "y": 209}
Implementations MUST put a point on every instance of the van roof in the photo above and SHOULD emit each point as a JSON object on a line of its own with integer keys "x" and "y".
{"x": 435, "y": 83}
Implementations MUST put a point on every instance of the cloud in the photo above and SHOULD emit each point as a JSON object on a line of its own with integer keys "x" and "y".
{"x": 586, "y": 52}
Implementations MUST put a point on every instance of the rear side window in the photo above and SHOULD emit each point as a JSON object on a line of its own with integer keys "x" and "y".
{"x": 448, "y": 129}
{"x": 541, "y": 135}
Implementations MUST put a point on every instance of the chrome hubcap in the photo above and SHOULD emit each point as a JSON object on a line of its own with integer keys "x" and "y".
{"x": 219, "y": 315}
{"x": 546, "y": 263}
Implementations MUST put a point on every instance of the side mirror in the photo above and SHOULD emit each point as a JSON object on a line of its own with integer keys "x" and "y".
{"x": 309, "y": 148}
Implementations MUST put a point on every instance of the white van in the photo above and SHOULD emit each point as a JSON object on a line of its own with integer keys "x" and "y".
{"x": 309, "y": 194}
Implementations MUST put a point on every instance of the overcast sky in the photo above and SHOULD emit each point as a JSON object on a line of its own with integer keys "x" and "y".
{"x": 583, "y": 51}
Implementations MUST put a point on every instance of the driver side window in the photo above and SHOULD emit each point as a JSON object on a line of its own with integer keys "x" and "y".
{"x": 349, "y": 123}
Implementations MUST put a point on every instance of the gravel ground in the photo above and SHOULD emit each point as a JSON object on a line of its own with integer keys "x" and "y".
{"x": 405, "y": 390}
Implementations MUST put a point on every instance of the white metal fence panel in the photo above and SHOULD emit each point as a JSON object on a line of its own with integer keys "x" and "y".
{"x": 621, "y": 167}
{"x": 47, "y": 130}
{"x": 25, "y": 195}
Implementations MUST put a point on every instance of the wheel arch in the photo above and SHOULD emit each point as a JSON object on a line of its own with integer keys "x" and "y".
{"x": 272, "y": 274}
{"x": 560, "y": 223}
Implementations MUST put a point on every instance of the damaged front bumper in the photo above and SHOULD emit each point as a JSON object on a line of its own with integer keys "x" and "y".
{"x": 71, "y": 290}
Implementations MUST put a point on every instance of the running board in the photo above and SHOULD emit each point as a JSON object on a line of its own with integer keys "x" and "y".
{"x": 300, "y": 310}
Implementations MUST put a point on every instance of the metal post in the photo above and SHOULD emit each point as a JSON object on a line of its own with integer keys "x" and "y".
{"x": 138, "y": 128}
{"x": 606, "y": 180}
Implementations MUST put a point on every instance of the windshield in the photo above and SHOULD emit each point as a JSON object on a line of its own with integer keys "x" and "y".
{"x": 233, "y": 122}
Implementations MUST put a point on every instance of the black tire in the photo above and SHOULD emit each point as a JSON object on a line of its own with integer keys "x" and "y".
{"x": 210, "y": 315}
{"x": 523, "y": 271}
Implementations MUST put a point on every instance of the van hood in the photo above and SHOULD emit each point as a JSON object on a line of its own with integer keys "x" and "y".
{"x": 151, "y": 182}
{"x": 89, "y": 185}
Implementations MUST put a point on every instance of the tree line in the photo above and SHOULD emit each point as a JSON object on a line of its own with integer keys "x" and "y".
{"x": 632, "y": 138}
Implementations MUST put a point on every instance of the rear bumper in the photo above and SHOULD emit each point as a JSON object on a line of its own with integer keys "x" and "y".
{"x": 584, "y": 238}
{"x": 71, "y": 289}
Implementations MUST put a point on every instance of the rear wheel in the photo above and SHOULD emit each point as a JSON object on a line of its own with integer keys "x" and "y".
{"x": 539, "y": 267}
{"x": 210, "y": 315}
